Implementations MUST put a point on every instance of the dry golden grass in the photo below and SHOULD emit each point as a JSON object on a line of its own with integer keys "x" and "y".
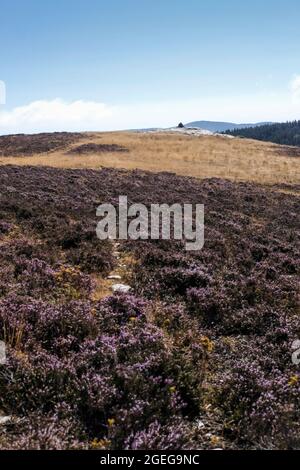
{"x": 199, "y": 156}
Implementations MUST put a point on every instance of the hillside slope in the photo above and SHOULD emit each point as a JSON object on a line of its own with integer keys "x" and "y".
{"x": 196, "y": 356}
{"x": 200, "y": 156}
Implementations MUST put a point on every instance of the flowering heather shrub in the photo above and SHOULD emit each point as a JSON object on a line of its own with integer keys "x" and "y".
{"x": 178, "y": 435}
{"x": 36, "y": 382}
{"x": 190, "y": 351}
{"x": 6, "y": 280}
{"x": 44, "y": 432}
{"x": 85, "y": 250}
{"x": 121, "y": 375}
{"x": 20, "y": 248}
{"x": 262, "y": 405}
{"x": 34, "y": 276}
{"x": 106, "y": 363}
{"x": 178, "y": 280}
{"x": 204, "y": 335}
{"x": 53, "y": 326}
{"x": 62, "y": 329}
{"x": 118, "y": 310}
{"x": 5, "y": 227}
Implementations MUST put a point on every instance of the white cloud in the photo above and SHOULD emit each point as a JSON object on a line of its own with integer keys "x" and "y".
{"x": 295, "y": 87}
{"x": 59, "y": 115}
{"x": 55, "y": 115}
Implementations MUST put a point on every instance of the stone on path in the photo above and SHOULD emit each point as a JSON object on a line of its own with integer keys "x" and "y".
{"x": 120, "y": 288}
{"x": 4, "y": 419}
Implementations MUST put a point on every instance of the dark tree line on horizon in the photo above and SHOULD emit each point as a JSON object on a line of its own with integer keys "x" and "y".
{"x": 287, "y": 133}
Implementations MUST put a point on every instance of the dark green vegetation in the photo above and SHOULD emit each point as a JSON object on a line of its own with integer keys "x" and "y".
{"x": 285, "y": 133}
{"x": 204, "y": 335}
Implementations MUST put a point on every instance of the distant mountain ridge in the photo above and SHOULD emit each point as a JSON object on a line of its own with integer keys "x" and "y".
{"x": 215, "y": 126}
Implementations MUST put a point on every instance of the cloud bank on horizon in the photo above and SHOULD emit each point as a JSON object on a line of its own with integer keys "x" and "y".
{"x": 80, "y": 115}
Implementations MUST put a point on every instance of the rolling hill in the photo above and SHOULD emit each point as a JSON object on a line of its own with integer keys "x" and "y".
{"x": 202, "y": 156}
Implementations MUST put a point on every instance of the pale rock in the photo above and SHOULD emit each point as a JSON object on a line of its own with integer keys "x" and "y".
{"x": 120, "y": 288}
{"x": 4, "y": 419}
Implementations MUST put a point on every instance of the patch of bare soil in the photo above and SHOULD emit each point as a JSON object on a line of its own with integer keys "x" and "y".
{"x": 86, "y": 149}
{"x": 25, "y": 144}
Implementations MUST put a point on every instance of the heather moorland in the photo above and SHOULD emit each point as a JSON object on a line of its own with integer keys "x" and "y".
{"x": 197, "y": 355}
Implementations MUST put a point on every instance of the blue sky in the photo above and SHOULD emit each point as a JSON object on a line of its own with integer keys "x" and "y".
{"x": 120, "y": 64}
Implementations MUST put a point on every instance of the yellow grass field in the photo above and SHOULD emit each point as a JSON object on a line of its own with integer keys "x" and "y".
{"x": 198, "y": 156}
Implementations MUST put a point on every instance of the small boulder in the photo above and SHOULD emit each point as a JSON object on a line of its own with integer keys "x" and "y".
{"x": 4, "y": 419}
{"x": 120, "y": 288}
